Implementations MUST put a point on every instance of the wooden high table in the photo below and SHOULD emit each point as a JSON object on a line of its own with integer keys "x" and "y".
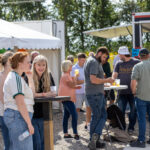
{"x": 48, "y": 118}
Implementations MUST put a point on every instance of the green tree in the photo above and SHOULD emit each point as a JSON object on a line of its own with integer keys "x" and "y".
{"x": 82, "y": 15}
{"x": 102, "y": 15}
{"x": 146, "y": 8}
{"x": 129, "y": 7}
{"x": 65, "y": 8}
{"x": 126, "y": 10}
{"x": 24, "y": 11}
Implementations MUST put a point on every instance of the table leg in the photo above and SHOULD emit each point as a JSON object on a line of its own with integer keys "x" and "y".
{"x": 108, "y": 97}
{"x": 48, "y": 126}
{"x": 117, "y": 98}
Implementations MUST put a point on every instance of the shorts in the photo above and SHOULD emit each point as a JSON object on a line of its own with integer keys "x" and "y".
{"x": 80, "y": 98}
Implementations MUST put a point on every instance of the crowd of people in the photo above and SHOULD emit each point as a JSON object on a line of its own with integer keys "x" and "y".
{"x": 20, "y": 83}
{"x": 97, "y": 72}
{"x": 25, "y": 76}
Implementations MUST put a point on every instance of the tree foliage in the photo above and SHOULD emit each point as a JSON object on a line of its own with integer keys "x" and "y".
{"x": 129, "y": 7}
{"x": 23, "y": 11}
{"x": 82, "y": 15}
{"x": 102, "y": 15}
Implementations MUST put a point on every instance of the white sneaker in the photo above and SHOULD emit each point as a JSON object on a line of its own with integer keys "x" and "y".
{"x": 88, "y": 127}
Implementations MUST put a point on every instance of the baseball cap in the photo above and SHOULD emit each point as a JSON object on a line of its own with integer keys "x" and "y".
{"x": 143, "y": 52}
{"x": 123, "y": 50}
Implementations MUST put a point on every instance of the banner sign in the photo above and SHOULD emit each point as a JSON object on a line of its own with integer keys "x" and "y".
{"x": 135, "y": 52}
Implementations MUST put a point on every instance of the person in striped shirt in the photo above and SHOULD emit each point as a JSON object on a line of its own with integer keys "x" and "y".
{"x": 18, "y": 102}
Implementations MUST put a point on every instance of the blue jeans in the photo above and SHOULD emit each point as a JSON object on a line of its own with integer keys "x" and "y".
{"x": 4, "y": 133}
{"x": 142, "y": 107}
{"x": 38, "y": 136}
{"x": 99, "y": 115}
{"x": 69, "y": 109}
{"x": 16, "y": 126}
{"x": 122, "y": 103}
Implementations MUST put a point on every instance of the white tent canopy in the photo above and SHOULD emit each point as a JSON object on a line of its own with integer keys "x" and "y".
{"x": 14, "y": 35}
{"x": 115, "y": 31}
{"x": 5, "y": 41}
{"x": 111, "y": 32}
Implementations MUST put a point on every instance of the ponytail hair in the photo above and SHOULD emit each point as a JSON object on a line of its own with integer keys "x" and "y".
{"x": 5, "y": 57}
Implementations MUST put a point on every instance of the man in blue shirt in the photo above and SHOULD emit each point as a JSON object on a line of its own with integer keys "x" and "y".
{"x": 80, "y": 93}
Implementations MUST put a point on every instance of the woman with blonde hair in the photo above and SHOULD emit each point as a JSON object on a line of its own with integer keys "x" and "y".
{"x": 18, "y": 102}
{"x": 4, "y": 61}
{"x": 67, "y": 87}
{"x": 42, "y": 81}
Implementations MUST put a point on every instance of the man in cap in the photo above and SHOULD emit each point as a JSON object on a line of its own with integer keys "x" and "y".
{"x": 122, "y": 71}
{"x": 94, "y": 90}
{"x": 140, "y": 85}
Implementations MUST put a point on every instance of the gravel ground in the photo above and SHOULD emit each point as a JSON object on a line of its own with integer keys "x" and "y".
{"x": 1, "y": 141}
{"x": 61, "y": 144}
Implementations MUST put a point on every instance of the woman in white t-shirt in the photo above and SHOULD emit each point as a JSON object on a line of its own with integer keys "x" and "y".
{"x": 18, "y": 102}
{"x": 4, "y": 61}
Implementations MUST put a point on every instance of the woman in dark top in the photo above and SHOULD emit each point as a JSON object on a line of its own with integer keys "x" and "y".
{"x": 107, "y": 71}
{"x": 43, "y": 80}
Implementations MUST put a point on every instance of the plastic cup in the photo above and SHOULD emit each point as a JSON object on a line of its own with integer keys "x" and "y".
{"x": 53, "y": 88}
{"x": 76, "y": 71}
{"x": 117, "y": 82}
{"x": 113, "y": 83}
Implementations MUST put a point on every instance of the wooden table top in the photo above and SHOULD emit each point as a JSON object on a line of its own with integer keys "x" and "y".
{"x": 49, "y": 99}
